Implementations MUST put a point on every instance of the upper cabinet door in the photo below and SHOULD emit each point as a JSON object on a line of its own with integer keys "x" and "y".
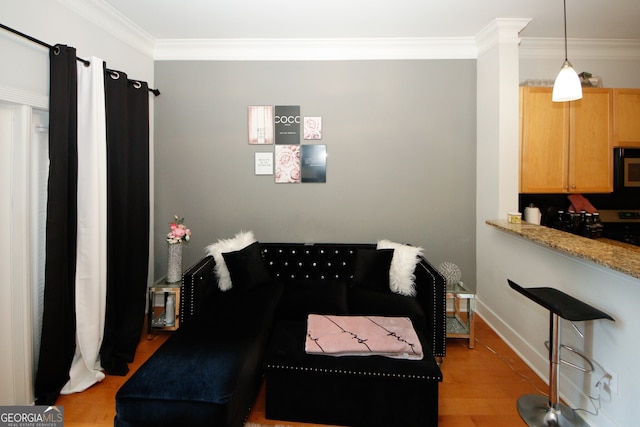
{"x": 565, "y": 147}
{"x": 626, "y": 117}
{"x": 590, "y": 148}
{"x": 544, "y": 131}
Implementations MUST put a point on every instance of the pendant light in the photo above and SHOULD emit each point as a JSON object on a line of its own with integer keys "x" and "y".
{"x": 567, "y": 86}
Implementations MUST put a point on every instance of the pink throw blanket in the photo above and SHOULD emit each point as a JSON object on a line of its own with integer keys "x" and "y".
{"x": 362, "y": 336}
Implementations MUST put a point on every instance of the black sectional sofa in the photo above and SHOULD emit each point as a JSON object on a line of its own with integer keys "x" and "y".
{"x": 210, "y": 370}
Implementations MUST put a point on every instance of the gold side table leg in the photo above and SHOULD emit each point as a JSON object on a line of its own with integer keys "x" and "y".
{"x": 472, "y": 323}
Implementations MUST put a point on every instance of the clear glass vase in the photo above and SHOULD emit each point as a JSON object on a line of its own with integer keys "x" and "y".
{"x": 174, "y": 262}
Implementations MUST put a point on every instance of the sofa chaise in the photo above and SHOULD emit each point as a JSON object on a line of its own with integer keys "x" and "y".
{"x": 210, "y": 370}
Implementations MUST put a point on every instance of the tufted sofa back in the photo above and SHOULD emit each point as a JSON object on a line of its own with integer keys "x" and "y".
{"x": 285, "y": 262}
{"x": 320, "y": 261}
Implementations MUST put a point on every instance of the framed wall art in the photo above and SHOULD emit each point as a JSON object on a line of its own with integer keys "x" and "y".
{"x": 287, "y": 124}
{"x": 260, "y": 124}
{"x": 263, "y": 163}
{"x": 287, "y": 164}
{"x": 313, "y": 163}
{"x": 312, "y": 128}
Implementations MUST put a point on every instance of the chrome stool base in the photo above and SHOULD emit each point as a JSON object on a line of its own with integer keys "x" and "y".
{"x": 536, "y": 412}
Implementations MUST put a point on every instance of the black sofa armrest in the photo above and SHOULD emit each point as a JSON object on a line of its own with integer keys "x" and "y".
{"x": 198, "y": 283}
{"x": 431, "y": 292}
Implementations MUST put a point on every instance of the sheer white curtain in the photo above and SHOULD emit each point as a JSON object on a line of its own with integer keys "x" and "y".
{"x": 91, "y": 272}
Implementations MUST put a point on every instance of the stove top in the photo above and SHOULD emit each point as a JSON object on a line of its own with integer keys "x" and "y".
{"x": 622, "y": 225}
{"x": 631, "y": 216}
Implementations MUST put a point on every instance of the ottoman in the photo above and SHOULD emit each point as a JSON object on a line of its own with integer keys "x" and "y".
{"x": 347, "y": 390}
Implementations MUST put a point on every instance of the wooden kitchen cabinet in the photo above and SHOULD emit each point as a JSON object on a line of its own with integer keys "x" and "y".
{"x": 566, "y": 147}
{"x": 626, "y": 117}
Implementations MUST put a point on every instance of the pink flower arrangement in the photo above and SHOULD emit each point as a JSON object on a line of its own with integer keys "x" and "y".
{"x": 179, "y": 232}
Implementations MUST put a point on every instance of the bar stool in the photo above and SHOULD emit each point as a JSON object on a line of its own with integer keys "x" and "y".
{"x": 537, "y": 410}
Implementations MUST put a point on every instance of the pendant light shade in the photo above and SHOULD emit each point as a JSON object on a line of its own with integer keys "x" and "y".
{"x": 567, "y": 86}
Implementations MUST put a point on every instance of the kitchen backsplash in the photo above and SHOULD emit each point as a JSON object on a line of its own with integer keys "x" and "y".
{"x": 551, "y": 203}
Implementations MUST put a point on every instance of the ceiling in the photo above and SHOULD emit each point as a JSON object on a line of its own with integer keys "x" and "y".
{"x": 340, "y": 19}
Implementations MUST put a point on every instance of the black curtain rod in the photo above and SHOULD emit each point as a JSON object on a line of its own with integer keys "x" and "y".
{"x": 156, "y": 92}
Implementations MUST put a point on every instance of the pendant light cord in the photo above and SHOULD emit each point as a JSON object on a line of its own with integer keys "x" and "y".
{"x": 566, "y": 56}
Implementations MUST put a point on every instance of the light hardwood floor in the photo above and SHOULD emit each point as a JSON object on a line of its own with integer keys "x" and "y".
{"x": 480, "y": 386}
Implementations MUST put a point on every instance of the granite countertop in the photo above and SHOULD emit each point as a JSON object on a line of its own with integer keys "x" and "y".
{"x": 617, "y": 256}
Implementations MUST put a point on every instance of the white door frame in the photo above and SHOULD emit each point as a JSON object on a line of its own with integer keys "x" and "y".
{"x": 16, "y": 314}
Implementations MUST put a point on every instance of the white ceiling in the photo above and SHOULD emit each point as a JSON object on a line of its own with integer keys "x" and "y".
{"x": 339, "y": 19}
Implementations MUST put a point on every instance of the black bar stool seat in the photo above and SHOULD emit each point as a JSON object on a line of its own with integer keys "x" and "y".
{"x": 561, "y": 304}
{"x": 536, "y": 410}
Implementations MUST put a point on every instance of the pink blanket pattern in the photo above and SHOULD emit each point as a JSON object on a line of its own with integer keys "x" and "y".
{"x": 362, "y": 336}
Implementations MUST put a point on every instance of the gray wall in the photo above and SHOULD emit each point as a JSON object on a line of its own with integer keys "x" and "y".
{"x": 401, "y": 164}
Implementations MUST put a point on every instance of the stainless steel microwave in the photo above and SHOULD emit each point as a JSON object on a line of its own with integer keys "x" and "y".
{"x": 626, "y": 167}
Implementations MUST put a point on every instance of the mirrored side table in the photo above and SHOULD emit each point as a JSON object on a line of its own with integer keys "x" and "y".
{"x": 460, "y": 313}
{"x": 163, "y": 316}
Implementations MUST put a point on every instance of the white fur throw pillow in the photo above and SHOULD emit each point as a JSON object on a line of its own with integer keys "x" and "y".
{"x": 239, "y": 241}
{"x": 404, "y": 261}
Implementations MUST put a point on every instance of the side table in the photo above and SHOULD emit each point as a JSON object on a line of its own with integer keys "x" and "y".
{"x": 460, "y": 313}
{"x": 158, "y": 317}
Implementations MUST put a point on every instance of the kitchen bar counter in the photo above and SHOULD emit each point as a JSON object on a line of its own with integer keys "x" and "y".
{"x": 615, "y": 255}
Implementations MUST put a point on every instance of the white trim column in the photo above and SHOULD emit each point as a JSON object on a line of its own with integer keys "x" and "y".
{"x": 497, "y": 119}
{"x": 497, "y": 136}
{"x": 16, "y": 367}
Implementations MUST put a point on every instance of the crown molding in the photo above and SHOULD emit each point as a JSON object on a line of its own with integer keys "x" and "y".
{"x": 106, "y": 17}
{"x": 536, "y": 48}
{"x": 500, "y": 31}
{"x": 316, "y": 49}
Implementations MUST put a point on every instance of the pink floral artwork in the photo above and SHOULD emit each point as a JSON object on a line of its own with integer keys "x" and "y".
{"x": 312, "y": 128}
{"x": 287, "y": 164}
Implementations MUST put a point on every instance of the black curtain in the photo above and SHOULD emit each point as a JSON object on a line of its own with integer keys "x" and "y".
{"x": 58, "y": 340}
{"x": 127, "y": 105}
{"x": 127, "y": 111}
